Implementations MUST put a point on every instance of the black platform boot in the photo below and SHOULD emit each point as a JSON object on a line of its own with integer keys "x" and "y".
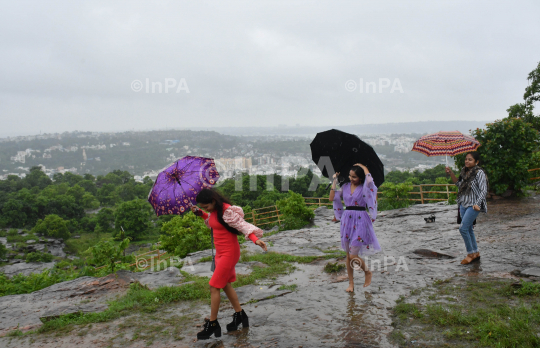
{"x": 238, "y": 318}
{"x": 210, "y": 327}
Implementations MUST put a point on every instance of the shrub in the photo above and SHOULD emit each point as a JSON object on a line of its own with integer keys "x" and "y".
{"x": 12, "y": 232}
{"x": 107, "y": 252}
{"x": 52, "y": 226}
{"x": 295, "y": 212}
{"x": 185, "y": 234}
{"x": 38, "y": 257}
{"x": 395, "y": 196}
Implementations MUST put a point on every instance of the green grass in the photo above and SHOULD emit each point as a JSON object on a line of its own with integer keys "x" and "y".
{"x": 334, "y": 267}
{"x": 140, "y": 299}
{"x": 87, "y": 240}
{"x": 137, "y": 299}
{"x": 15, "y": 333}
{"x": 471, "y": 313}
{"x": 291, "y": 287}
{"x": 21, "y": 239}
{"x": 205, "y": 259}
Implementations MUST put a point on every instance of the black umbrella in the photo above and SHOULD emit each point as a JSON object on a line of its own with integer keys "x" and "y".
{"x": 337, "y": 151}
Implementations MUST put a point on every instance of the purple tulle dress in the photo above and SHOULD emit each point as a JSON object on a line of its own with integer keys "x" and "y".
{"x": 357, "y": 233}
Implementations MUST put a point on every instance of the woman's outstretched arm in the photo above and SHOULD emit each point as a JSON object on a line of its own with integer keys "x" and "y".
{"x": 333, "y": 189}
{"x": 452, "y": 175}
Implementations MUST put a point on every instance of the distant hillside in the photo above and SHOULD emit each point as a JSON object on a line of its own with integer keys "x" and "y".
{"x": 384, "y": 128}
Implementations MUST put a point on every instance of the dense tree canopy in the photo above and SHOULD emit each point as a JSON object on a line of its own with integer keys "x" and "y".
{"x": 506, "y": 153}
{"x": 525, "y": 110}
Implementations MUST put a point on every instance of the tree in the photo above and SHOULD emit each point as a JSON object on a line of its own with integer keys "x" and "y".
{"x": 37, "y": 178}
{"x": 268, "y": 198}
{"x": 105, "y": 218}
{"x": 13, "y": 214}
{"x": 524, "y": 110}
{"x": 89, "y": 202}
{"x": 52, "y": 226}
{"x": 88, "y": 186}
{"x": 133, "y": 216}
{"x": 76, "y": 192}
{"x": 71, "y": 179}
{"x": 185, "y": 234}
{"x": 107, "y": 194}
{"x": 506, "y": 153}
{"x": 107, "y": 252}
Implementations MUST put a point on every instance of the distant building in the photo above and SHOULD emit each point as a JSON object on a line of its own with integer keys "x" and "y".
{"x": 238, "y": 163}
{"x": 402, "y": 148}
{"x": 19, "y": 157}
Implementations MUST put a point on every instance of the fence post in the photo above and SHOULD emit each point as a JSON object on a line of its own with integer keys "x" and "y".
{"x": 447, "y": 192}
{"x": 253, "y": 214}
{"x": 277, "y": 214}
{"x": 421, "y": 195}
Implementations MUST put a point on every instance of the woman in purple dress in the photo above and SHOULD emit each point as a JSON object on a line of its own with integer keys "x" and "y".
{"x": 357, "y": 234}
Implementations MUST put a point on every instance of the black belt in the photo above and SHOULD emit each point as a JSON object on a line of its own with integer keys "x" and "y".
{"x": 355, "y": 208}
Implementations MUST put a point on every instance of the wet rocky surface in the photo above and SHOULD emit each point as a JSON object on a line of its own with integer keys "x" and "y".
{"x": 25, "y": 268}
{"x": 85, "y": 294}
{"x": 319, "y": 313}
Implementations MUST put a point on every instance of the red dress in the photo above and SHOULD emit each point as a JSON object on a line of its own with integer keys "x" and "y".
{"x": 227, "y": 251}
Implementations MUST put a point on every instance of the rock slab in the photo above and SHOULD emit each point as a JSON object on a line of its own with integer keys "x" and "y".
{"x": 85, "y": 294}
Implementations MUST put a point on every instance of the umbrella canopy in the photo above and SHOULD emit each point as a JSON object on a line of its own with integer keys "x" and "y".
{"x": 177, "y": 186}
{"x": 337, "y": 151}
{"x": 445, "y": 144}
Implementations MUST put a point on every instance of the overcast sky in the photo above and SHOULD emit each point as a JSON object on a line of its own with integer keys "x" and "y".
{"x": 71, "y": 65}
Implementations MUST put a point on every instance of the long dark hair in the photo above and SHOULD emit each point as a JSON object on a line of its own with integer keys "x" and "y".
{"x": 208, "y": 196}
{"x": 359, "y": 173}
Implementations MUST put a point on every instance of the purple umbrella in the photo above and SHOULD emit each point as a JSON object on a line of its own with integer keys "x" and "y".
{"x": 177, "y": 186}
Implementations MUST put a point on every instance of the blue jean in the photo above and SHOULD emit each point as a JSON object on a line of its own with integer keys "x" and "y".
{"x": 468, "y": 215}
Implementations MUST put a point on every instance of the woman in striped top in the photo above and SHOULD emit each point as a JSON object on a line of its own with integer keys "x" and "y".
{"x": 472, "y": 191}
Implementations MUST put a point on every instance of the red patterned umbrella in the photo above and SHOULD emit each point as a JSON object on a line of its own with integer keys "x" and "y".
{"x": 445, "y": 144}
{"x": 177, "y": 186}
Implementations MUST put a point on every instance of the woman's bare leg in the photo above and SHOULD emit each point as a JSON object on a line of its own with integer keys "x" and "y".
{"x": 215, "y": 299}
{"x": 233, "y": 298}
{"x": 355, "y": 259}
{"x": 350, "y": 274}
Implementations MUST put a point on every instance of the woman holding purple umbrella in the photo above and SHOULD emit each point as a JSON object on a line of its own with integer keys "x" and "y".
{"x": 357, "y": 234}
{"x": 227, "y": 222}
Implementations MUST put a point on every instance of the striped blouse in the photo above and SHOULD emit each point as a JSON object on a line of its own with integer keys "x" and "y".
{"x": 477, "y": 196}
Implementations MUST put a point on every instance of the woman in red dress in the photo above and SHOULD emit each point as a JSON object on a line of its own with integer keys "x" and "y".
{"x": 227, "y": 222}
